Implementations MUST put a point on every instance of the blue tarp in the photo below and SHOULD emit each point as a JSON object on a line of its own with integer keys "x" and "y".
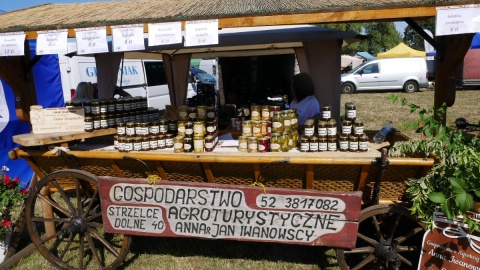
{"x": 366, "y": 55}
{"x": 476, "y": 42}
{"x": 49, "y": 94}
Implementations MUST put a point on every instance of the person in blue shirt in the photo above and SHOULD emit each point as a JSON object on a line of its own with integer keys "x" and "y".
{"x": 304, "y": 100}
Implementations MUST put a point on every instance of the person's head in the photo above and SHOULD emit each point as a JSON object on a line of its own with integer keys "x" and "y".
{"x": 302, "y": 86}
{"x": 85, "y": 90}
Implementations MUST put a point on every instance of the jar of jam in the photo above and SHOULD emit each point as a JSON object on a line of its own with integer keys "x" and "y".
{"x": 350, "y": 111}
{"x": 163, "y": 126}
{"x": 172, "y": 126}
{"x": 111, "y": 121}
{"x": 137, "y": 143}
{"x": 144, "y": 103}
{"x": 145, "y": 143}
{"x": 137, "y": 101}
{"x": 96, "y": 107}
{"x": 357, "y": 127}
{"x": 277, "y": 122}
{"x": 192, "y": 113}
{"x": 353, "y": 146}
{"x": 169, "y": 142}
{"x": 154, "y": 128}
{"x": 121, "y": 144}
{"x": 252, "y": 145}
{"x": 322, "y": 128}
{"x": 274, "y": 109}
{"x": 96, "y": 123}
{"x": 118, "y": 118}
{"x": 326, "y": 112}
{"x": 111, "y": 108}
{"x": 128, "y": 146}
{"x": 313, "y": 144}
{"x": 87, "y": 107}
{"x": 332, "y": 143}
{"x": 211, "y": 127}
{"x": 161, "y": 141}
{"x": 211, "y": 113}
{"x": 275, "y": 142}
{"x": 347, "y": 127}
{"x": 247, "y": 128}
{"x": 266, "y": 128}
{"x": 127, "y": 104}
{"x": 130, "y": 129}
{"x": 156, "y": 113}
{"x": 202, "y": 113}
{"x": 332, "y": 128}
{"x": 103, "y": 106}
{"x": 198, "y": 129}
{"x": 265, "y": 112}
{"x": 343, "y": 142}
{"x": 144, "y": 127}
{"x": 153, "y": 142}
{"x": 151, "y": 114}
{"x": 304, "y": 144}
{"x": 183, "y": 113}
{"x": 309, "y": 127}
{"x": 255, "y": 113}
{"x": 189, "y": 129}
{"x": 88, "y": 124}
{"x": 263, "y": 144}
{"x": 209, "y": 143}
{"x": 187, "y": 144}
{"x": 198, "y": 144}
{"x": 242, "y": 144}
{"x": 119, "y": 105}
{"x": 178, "y": 144}
{"x": 363, "y": 143}
{"x": 322, "y": 144}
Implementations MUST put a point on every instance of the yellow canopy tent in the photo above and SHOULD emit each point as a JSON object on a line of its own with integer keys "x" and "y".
{"x": 401, "y": 50}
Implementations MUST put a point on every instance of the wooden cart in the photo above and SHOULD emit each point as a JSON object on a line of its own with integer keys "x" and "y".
{"x": 64, "y": 208}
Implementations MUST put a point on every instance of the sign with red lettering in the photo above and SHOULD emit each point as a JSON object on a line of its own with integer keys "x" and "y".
{"x": 217, "y": 211}
{"x": 450, "y": 246}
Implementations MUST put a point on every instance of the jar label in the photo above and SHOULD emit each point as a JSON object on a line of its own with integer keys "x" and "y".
{"x": 146, "y": 145}
{"x": 121, "y": 130}
{"x": 353, "y": 145}
{"x": 276, "y": 125}
{"x": 363, "y": 146}
{"x": 322, "y": 146}
{"x": 322, "y": 131}
{"x": 313, "y": 146}
{"x": 137, "y": 146}
{"x": 261, "y": 147}
{"x": 182, "y": 115}
{"x": 351, "y": 113}
{"x": 255, "y": 114}
{"x": 130, "y": 131}
{"x": 96, "y": 124}
{"x": 287, "y": 122}
{"x": 358, "y": 130}
{"x": 161, "y": 143}
{"x": 247, "y": 130}
{"x": 187, "y": 146}
{"x": 243, "y": 145}
{"x": 211, "y": 128}
{"x": 154, "y": 144}
{"x": 304, "y": 147}
{"x": 274, "y": 146}
{"x": 343, "y": 145}
{"x": 127, "y": 146}
{"x": 88, "y": 125}
{"x": 257, "y": 130}
{"x": 209, "y": 145}
{"x": 265, "y": 115}
{"x": 163, "y": 128}
{"x": 347, "y": 129}
{"x": 252, "y": 146}
{"x": 332, "y": 146}
{"x": 331, "y": 131}
{"x": 211, "y": 115}
{"x": 178, "y": 145}
{"x": 189, "y": 131}
{"x": 121, "y": 146}
{"x": 326, "y": 114}
{"x": 294, "y": 121}
{"x": 309, "y": 131}
{"x": 192, "y": 115}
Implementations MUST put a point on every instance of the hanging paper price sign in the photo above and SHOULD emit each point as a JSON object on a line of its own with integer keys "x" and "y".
{"x": 91, "y": 40}
{"x": 199, "y": 33}
{"x": 12, "y": 44}
{"x": 128, "y": 38}
{"x": 454, "y": 20}
{"x": 52, "y": 42}
{"x": 164, "y": 33}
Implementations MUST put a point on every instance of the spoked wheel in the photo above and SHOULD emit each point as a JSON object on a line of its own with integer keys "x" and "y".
{"x": 78, "y": 240}
{"x": 389, "y": 237}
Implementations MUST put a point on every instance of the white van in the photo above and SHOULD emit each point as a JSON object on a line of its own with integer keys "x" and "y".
{"x": 139, "y": 77}
{"x": 408, "y": 73}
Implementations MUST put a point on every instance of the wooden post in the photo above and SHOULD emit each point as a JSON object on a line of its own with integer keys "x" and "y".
{"x": 47, "y": 213}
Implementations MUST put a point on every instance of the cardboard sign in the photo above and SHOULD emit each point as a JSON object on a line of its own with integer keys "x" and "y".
{"x": 53, "y": 120}
{"x": 215, "y": 211}
{"x": 450, "y": 246}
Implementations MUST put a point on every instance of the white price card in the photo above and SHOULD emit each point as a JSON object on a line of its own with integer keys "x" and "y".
{"x": 198, "y": 33}
{"x": 91, "y": 40}
{"x": 128, "y": 38}
{"x": 12, "y": 44}
{"x": 454, "y": 20}
{"x": 52, "y": 42}
{"x": 164, "y": 33}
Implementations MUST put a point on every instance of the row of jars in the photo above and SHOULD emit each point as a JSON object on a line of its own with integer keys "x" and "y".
{"x": 329, "y": 128}
{"x": 196, "y": 113}
{"x": 342, "y": 143}
{"x": 281, "y": 121}
{"x": 350, "y": 112}
{"x": 196, "y": 144}
{"x": 276, "y": 142}
{"x": 104, "y": 121}
{"x": 143, "y": 143}
{"x": 110, "y": 106}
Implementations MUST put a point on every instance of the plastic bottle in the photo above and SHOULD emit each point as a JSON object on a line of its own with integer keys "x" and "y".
{"x": 382, "y": 134}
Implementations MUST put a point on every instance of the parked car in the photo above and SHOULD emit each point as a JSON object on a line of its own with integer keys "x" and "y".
{"x": 408, "y": 73}
{"x": 201, "y": 76}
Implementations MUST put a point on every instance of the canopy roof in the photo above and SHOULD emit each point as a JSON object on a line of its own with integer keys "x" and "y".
{"x": 401, "y": 50}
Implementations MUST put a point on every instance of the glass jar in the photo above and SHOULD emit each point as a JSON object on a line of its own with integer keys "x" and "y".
{"x": 111, "y": 121}
{"x": 265, "y": 112}
{"x": 198, "y": 129}
{"x": 119, "y": 118}
{"x": 242, "y": 144}
{"x": 275, "y": 142}
{"x": 137, "y": 143}
{"x": 247, "y": 128}
{"x": 145, "y": 143}
{"x": 287, "y": 123}
{"x": 322, "y": 128}
{"x": 353, "y": 146}
{"x": 274, "y": 109}
{"x": 153, "y": 142}
{"x": 144, "y": 128}
{"x": 128, "y": 146}
{"x": 331, "y": 127}
{"x": 211, "y": 113}
{"x": 188, "y": 144}
{"x": 309, "y": 127}
{"x": 202, "y": 113}
{"x": 96, "y": 107}
{"x": 343, "y": 142}
{"x": 256, "y": 128}
{"x": 331, "y": 143}
{"x": 169, "y": 143}
{"x": 172, "y": 126}
{"x": 183, "y": 113}
{"x": 189, "y": 129}
{"x": 144, "y": 103}
{"x": 178, "y": 144}
{"x": 198, "y": 144}
{"x": 209, "y": 143}
{"x": 151, "y": 114}
{"x": 304, "y": 144}
{"x": 293, "y": 118}
{"x": 163, "y": 126}
{"x": 127, "y": 104}
{"x": 161, "y": 141}
{"x": 363, "y": 143}
{"x": 277, "y": 122}
{"x": 121, "y": 144}
{"x": 322, "y": 144}
{"x": 285, "y": 139}
{"x": 88, "y": 124}
{"x": 263, "y": 144}
{"x": 181, "y": 128}
{"x": 326, "y": 112}
{"x": 350, "y": 111}
{"x": 347, "y": 127}
{"x": 252, "y": 145}
{"x": 87, "y": 107}
{"x": 313, "y": 144}
{"x": 154, "y": 128}
{"x": 103, "y": 106}
{"x": 357, "y": 127}
{"x": 130, "y": 129}
{"x": 111, "y": 108}
{"x": 211, "y": 127}
{"x": 96, "y": 122}
{"x": 192, "y": 113}
{"x": 266, "y": 128}
{"x": 255, "y": 113}
{"x": 119, "y": 105}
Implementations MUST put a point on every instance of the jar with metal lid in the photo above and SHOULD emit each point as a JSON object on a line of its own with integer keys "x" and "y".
{"x": 285, "y": 137}
{"x": 172, "y": 126}
{"x": 153, "y": 142}
{"x": 138, "y": 116}
{"x": 295, "y": 138}
{"x": 255, "y": 113}
{"x": 103, "y": 106}
{"x": 143, "y": 129}
{"x": 363, "y": 143}
{"x": 87, "y": 107}
{"x": 121, "y": 144}
{"x": 138, "y": 103}
{"x": 357, "y": 127}
{"x": 96, "y": 107}
{"x": 331, "y": 127}
{"x": 188, "y": 144}
{"x": 127, "y": 104}
{"x": 132, "y": 117}
{"x": 163, "y": 126}
{"x": 144, "y": 102}
{"x": 275, "y": 142}
{"x": 322, "y": 144}
{"x": 347, "y": 127}
{"x": 343, "y": 142}
{"x": 201, "y": 113}
{"x": 189, "y": 129}
{"x": 293, "y": 118}
{"x": 266, "y": 128}
{"x": 118, "y": 118}
{"x": 322, "y": 128}
{"x": 277, "y": 122}
{"x": 257, "y": 128}
{"x": 247, "y": 128}
{"x": 161, "y": 141}
{"x": 130, "y": 129}
{"x": 305, "y": 144}
{"x": 128, "y": 146}
{"x": 192, "y": 113}
{"x": 242, "y": 144}
{"x": 103, "y": 121}
{"x": 210, "y": 127}
{"x": 198, "y": 144}
{"x": 119, "y": 105}
{"x": 181, "y": 128}
{"x": 326, "y": 112}
{"x": 353, "y": 146}
{"x": 137, "y": 143}
{"x": 154, "y": 128}
{"x": 183, "y": 113}
{"x": 287, "y": 123}
{"x": 350, "y": 111}
{"x": 313, "y": 144}
{"x": 145, "y": 143}
{"x": 252, "y": 145}
{"x": 144, "y": 115}
{"x": 125, "y": 117}
{"x": 156, "y": 114}
{"x": 198, "y": 129}
{"x": 332, "y": 143}
{"x": 263, "y": 144}
{"x": 96, "y": 122}
{"x": 265, "y": 112}
{"x": 169, "y": 141}
{"x": 88, "y": 124}
{"x": 111, "y": 108}
{"x": 111, "y": 121}
{"x": 309, "y": 127}
{"x": 274, "y": 109}
{"x": 178, "y": 144}
{"x": 209, "y": 143}
{"x": 151, "y": 114}
{"x": 211, "y": 113}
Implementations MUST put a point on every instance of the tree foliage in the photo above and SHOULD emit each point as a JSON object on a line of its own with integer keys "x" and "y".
{"x": 413, "y": 39}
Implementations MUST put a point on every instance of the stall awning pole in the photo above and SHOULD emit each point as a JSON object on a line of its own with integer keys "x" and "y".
{"x": 176, "y": 69}
{"x": 107, "y": 73}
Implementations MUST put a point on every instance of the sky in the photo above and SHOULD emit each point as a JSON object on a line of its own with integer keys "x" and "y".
{"x": 10, "y": 5}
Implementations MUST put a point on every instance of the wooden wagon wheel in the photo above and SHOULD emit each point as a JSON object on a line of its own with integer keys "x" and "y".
{"x": 389, "y": 237}
{"x": 79, "y": 241}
